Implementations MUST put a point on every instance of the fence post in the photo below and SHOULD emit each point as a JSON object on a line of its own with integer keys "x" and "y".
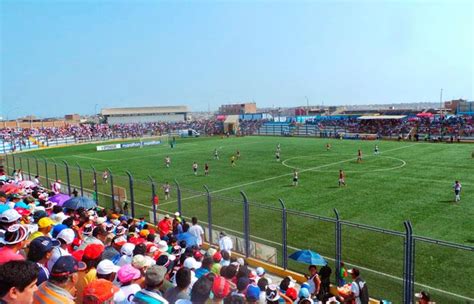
{"x": 37, "y": 166}
{"x": 80, "y": 179}
{"x": 132, "y": 197}
{"x": 153, "y": 193}
{"x": 46, "y": 172}
{"x": 55, "y": 169}
{"x": 337, "y": 261}
{"x": 68, "y": 178}
{"x": 95, "y": 185}
{"x": 178, "y": 193}
{"x": 21, "y": 163}
{"x": 284, "y": 231}
{"x": 28, "y": 167}
{"x": 14, "y": 163}
{"x": 408, "y": 274}
{"x": 246, "y": 224}
{"x": 6, "y": 158}
{"x": 112, "y": 188}
{"x": 209, "y": 214}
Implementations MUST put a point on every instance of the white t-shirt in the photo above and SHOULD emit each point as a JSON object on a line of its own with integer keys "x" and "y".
{"x": 225, "y": 243}
{"x": 197, "y": 231}
{"x": 124, "y": 295}
{"x": 55, "y": 255}
{"x": 356, "y": 291}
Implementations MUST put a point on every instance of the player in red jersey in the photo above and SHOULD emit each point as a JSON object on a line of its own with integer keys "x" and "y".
{"x": 359, "y": 155}
{"x": 342, "y": 178}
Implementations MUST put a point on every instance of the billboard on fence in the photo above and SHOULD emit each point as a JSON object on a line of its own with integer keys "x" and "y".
{"x": 108, "y": 147}
{"x": 128, "y": 145}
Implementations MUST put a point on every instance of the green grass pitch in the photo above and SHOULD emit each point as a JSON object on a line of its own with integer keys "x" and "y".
{"x": 406, "y": 181}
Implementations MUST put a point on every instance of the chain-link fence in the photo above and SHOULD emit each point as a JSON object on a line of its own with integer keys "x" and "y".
{"x": 395, "y": 264}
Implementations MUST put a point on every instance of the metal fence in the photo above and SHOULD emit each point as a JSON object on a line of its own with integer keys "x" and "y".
{"x": 394, "y": 263}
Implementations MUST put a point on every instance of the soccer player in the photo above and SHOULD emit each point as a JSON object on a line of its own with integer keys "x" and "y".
{"x": 167, "y": 161}
{"x": 238, "y": 154}
{"x": 342, "y": 181}
{"x": 232, "y": 161}
{"x": 105, "y": 176}
{"x": 167, "y": 189}
{"x": 359, "y": 155}
{"x": 295, "y": 178}
{"x": 278, "y": 147}
{"x": 277, "y": 155}
{"x": 376, "y": 150}
{"x": 457, "y": 191}
{"x": 206, "y": 169}
{"x": 195, "y": 168}
{"x": 328, "y": 146}
{"x": 216, "y": 154}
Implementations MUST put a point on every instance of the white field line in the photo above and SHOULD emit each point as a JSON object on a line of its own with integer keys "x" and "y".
{"x": 157, "y": 152}
{"x": 294, "y": 248}
{"x": 284, "y": 175}
{"x": 354, "y": 265}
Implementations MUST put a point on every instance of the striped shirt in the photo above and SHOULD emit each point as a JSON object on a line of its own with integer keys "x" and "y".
{"x": 49, "y": 293}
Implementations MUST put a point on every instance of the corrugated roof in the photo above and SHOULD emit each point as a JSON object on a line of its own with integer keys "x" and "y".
{"x": 367, "y": 117}
{"x": 144, "y": 110}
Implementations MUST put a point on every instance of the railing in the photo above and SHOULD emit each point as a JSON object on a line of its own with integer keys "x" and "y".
{"x": 387, "y": 259}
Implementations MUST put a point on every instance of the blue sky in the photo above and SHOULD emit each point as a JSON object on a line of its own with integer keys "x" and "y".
{"x": 60, "y": 57}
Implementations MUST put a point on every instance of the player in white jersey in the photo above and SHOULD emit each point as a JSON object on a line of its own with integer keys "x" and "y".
{"x": 167, "y": 190}
{"x": 376, "y": 150}
{"x": 295, "y": 178}
{"x": 167, "y": 161}
{"x": 457, "y": 191}
{"x": 277, "y": 155}
{"x": 195, "y": 168}
{"x": 216, "y": 154}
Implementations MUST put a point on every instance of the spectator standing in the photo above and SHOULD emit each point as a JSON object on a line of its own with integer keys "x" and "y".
{"x": 314, "y": 281}
{"x": 197, "y": 231}
{"x": 359, "y": 291}
{"x": 225, "y": 242}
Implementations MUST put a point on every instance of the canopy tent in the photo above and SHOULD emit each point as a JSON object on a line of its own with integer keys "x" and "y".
{"x": 380, "y": 117}
{"x": 425, "y": 115}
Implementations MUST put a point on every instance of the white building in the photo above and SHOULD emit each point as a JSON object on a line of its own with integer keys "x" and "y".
{"x": 145, "y": 114}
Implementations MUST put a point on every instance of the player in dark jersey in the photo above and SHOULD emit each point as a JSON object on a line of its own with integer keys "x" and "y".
{"x": 359, "y": 156}
{"x": 206, "y": 169}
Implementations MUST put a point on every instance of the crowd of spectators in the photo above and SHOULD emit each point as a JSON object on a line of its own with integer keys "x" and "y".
{"x": 52, "y": 254}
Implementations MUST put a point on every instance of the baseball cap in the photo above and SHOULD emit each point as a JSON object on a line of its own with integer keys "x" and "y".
{"x": 253, "y": 293}
{"x": 177, "y": 214}
{"x": 120, "y": 241}
{"x": 198, "y": 255}
{"x": 93, "y": 251}
{"x": 304, "y": 293}
{"x": 39, "y": 214}
{"x": 87, "y": 230}
{"x": 260, "y": 271}
{"x": 217, "y": 257}
{"x": 162, "y": 246}
{"x": 144, "y": 233}
{"x": 191, "y": 263}
{"x": 220, "y": 287}
{"x": 57, "y": 229}
{"x": 43, "y": 244}
{"x": 272, "y": 293}
{"x": 66, "y": 265}
{"x": 155, "y": 275}
{"x": 23, "y": 211}
{"x": 67, "y": 235}
{"x": 139, "y": 261}
{"x": 167, "y": 216}
{"x": 99, "y": 291}
{"x": 45, "y": 222}
{"x": 106, "y": 267}
{"x": 10, "y": 216}
{"x": 127, "y": 273}
{"x": 15, "y": 234}
{"x": 127, "y": 249}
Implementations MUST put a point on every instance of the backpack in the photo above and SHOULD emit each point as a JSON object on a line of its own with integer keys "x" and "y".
{"x": 363, "y": 291}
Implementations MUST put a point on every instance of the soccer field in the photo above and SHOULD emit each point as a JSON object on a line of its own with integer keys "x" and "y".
{"x": 406, "y": 181}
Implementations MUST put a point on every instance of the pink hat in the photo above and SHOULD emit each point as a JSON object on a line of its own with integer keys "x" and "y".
{"x": 128, "y": 273}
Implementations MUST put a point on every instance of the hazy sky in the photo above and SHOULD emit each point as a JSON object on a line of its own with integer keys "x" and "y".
{"x": 60, "y": 57}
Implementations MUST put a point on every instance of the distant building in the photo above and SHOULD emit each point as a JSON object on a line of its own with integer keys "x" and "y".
{"x": 72, "y": 117}
{"x": 460, "y": 106}
{"x": 238, "y": 108}
{"x": 145, "y": 114}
